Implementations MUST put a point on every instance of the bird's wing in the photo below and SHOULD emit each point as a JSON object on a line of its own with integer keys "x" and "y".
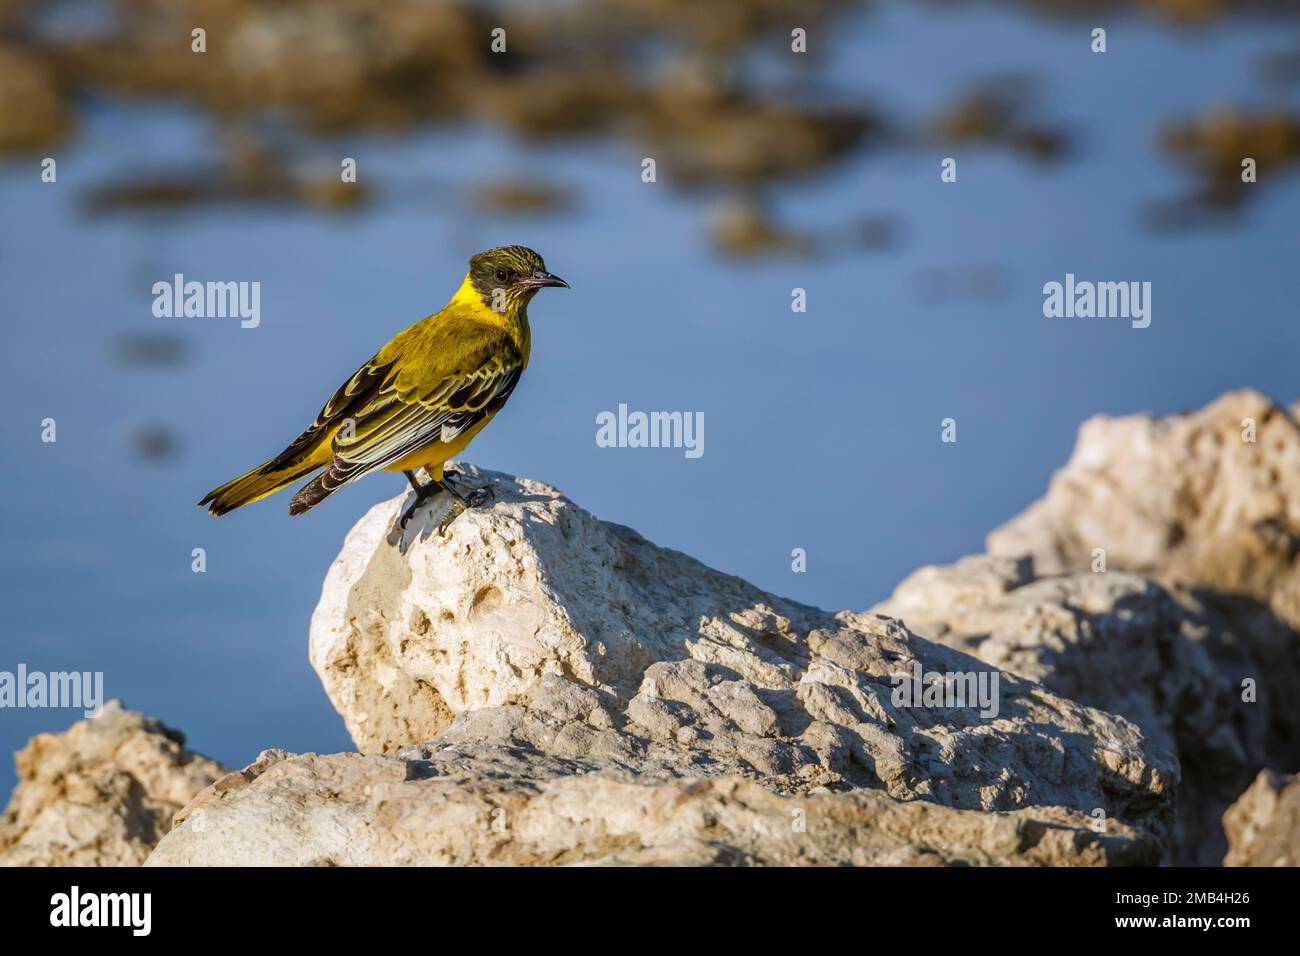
{"x": 414, "y": 409}
{"x": 361, "y": 388}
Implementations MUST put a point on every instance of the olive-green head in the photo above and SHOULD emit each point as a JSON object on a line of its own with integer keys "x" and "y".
{"x": 508, "y": 277}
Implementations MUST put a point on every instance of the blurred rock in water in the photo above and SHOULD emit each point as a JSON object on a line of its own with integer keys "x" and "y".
{"x": 339, "y": 66}
{"x": 250, "y": 171}
{"x": 1214, "y": 149}
{"x": 149, "y": 350}
{"x": 34, "y": 113}
{"x": 522, "y": 197}
{"x": 875, "y": 233}
{"x": 998, "y": 113}
{"x": 1282, "y": 69}
{"x": 154, "y": 443}
{"x": 942, "y": 284}
{"x": 678, "y": 79}
{"x": 741, "y": 227}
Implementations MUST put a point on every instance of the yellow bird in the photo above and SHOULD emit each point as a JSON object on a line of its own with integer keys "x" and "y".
{"x": 420, "y": 400}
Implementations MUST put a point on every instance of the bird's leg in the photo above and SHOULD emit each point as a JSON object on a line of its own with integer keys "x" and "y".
{"x": 423, "y": 490}
{"x": 422, "y": 494}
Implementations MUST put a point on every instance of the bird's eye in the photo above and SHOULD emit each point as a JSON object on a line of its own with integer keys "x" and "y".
{"x": 501, "y": 275}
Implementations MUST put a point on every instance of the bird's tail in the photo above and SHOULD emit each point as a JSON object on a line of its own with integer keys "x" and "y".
{"x": 263, "y": 480}
{"x": 316, "y": 491}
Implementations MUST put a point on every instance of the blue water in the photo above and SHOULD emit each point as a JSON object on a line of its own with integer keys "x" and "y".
{"x": 822, "y": 429}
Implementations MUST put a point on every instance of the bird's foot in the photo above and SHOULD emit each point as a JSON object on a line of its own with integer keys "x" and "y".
{"x": 471, "y": 499}
{"x": 478, "y": 497}
{"x": 461, "y": 501}
{"x": 423, "y": 492}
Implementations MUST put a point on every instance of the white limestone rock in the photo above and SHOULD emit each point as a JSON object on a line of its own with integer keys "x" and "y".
{"x": 101, "y": 793}
{"x": 514, "y": 806}
{"x": 531, "y": 622}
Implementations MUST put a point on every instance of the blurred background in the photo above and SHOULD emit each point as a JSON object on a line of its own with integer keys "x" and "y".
{"x": 775, "y": 170}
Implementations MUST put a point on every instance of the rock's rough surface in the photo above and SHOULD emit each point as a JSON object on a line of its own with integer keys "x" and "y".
{"x": 1207, "y": 503}
{"x": 1188, "y": 492}
{"x": 452, "y": 805}
{"x": 1264, "y": 825}
{"x": 1115, "y": 641}
{"x": 100, "y": 794}
{"x": 534, "y": 623}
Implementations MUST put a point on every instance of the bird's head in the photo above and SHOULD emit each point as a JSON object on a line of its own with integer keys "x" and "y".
{"x": 508, "y": 277}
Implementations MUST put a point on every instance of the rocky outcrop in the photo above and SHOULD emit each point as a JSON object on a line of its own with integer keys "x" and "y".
{"x": 1208, "y": 505}
{"x": 534, "y": 624}
{"x": 463, "y": 804}
{"x": 530, "y": 685}
{"x": 1264, "y": 825}
{"x": 1187, "y": 494}
{"x": 1115, "y": 641}
{"x": 100, "y": 794}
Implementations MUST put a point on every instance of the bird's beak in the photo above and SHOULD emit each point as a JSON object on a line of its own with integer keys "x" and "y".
{"x": 541, "y": 280}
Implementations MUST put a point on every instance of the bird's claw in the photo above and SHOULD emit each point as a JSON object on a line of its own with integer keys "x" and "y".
{"x": 456, "y": 510}
{"x": 405, "y": 519}
{"x": 468, "y": 499}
